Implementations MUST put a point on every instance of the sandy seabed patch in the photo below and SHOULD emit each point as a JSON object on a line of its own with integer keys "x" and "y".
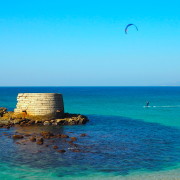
{"x": 161, "y": 175}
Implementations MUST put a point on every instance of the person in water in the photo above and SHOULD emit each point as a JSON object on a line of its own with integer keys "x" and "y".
{"x": 147, "y": 103}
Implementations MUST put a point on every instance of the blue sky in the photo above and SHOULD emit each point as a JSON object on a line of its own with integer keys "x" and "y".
{"x": 82, "y": 43}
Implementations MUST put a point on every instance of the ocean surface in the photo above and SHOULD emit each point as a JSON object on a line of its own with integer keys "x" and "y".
{"x": 125, "y": 139}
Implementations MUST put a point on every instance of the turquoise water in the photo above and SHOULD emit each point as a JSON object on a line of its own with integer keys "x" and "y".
{"x": 125, "y": 139}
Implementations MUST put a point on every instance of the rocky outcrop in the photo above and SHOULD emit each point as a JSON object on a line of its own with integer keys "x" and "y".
{"x": 72, "y": 119}
{"x": 10, "y": 118}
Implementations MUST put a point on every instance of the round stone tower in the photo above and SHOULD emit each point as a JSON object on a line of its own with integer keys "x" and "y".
{"x": 40, "y": 103}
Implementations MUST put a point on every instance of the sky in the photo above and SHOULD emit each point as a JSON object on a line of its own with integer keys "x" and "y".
{"x": 82, "y": 43}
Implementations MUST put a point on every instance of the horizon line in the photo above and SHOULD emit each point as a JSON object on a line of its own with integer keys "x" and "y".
{"x": 101, "y": 86}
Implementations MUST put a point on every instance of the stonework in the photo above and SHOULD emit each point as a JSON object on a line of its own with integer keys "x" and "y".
{"x": 39, "y": 103}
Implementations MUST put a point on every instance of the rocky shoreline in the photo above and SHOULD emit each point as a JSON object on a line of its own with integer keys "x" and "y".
{"x": 9, "y": 119}
{"x": 59, "y": 142}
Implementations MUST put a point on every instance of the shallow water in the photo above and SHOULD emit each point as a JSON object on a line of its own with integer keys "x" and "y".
{"x": 117, "y": 146}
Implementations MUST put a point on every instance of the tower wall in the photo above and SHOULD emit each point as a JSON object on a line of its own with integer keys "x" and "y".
{"x": 39, "y": 103}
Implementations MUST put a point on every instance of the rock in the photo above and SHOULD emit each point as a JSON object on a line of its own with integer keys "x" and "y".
{"x": 27, "y": 135}
{"x": 70, "y": 142}
{"x": 73, "y": 122}
{"x": 40, "y": 141}
{"x": 58, "y": 135}
{"x": 54, "y": 123}
{"x": 83, "y": 135}
{"x": 18, "y": 136}
{"x": 82, "y": 121}
{"x": 31, "y": 122}
{"x": 73, "y": 138}
{"x": 23, "y": 122}
{"x": 46, "y": 123}
{"x": 55, "y": 147}
{"x": 4, "y": 121}
{"x": 75, "y": 145}
{"x": 17, "y": 121}
{"x": 28, "y": 120}
{"x": 47, "y": 135}
{"x": 33, "y": 139}
{"x": 61, "y": 151}
{"x": 7, "y": 126}
{"x": 59, "y": 120}
{"x": 64, "y": 136}
{"x": 3, "y": 110}
{"x": 38, "y": 122}
{"x": 75, "y": 150}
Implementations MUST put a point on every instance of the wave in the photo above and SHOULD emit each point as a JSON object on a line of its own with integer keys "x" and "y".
{"x": 176, "y": 106}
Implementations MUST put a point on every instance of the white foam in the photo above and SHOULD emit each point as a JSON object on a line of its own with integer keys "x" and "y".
{"x": 177, "y": 106}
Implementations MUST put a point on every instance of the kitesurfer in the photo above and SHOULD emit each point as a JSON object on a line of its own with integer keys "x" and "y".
{"x": 147, "y": 104}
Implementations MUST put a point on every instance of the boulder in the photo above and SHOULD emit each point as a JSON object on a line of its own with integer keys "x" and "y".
{"x": 55, "y": 147}
{"x": 61, "y": 151}
{"x": 31, "y": 122}
{"x": 47, "y": 135}
{"x": 17, "y": 121}
{"x": 83, "y": 135}
{"x": 38, "y": 122}
{"x": 27, "y": 135}
{"x": 70, "y": 142}
{"x": 75, "y": 150}
{"x": 73, "y": 138}
{"x": 64, "y": 136}
{"x": 17, "y": 136}
{"x": 4, "y": 121}
{"x": 3, "y": 110}
{"x": 46, "y": 123}
{"x": 33, "y": 139}
{"x": 40, "y": 141}
{"x": 54, "y": 123}
{"x": 72, "y": 122}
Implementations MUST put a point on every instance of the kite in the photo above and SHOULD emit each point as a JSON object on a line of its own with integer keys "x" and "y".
{"x": 126, "y": 29}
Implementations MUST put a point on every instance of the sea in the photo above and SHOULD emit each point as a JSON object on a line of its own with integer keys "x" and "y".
{"x": 126, "y": 140}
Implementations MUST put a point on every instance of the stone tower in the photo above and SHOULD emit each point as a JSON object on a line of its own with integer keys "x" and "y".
{"x": 40, "y": 103}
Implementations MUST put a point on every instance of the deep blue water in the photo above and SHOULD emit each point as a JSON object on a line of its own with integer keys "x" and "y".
{"x": 122, "y": 135}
